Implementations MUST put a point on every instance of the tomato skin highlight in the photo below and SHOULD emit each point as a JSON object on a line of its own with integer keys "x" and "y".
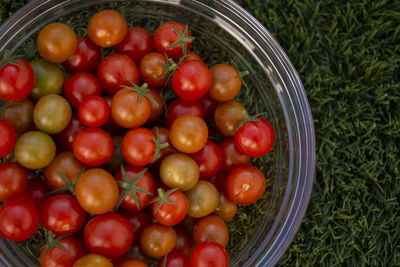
{"x": 255, "y": 138}
{"x": 13, "y": 180}
{"x": 191, "y": 80}
{"x": 209, "y": 254}
{"x": 94, "y": 111}
{"x": 8, "y": 138}
{"x": 16, "y": 82}
{"x": 137, "y": 43}
{"x": 19, "y": 219}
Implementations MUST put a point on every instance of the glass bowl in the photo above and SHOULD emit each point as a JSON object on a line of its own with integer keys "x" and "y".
{"x": 224, "y": 32}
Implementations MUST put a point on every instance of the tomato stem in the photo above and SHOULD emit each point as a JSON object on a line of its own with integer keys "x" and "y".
{"x": 163, "y": 197}
{"x": 53, "y": 242}
{"x": 142, "y": 91}
{"x": 158, "y": 145}
{"x": 69, "y": 186}
{"x": 251, "y": 118}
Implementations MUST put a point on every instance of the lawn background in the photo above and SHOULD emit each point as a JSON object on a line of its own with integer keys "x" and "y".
{"x": 348, "y": 56}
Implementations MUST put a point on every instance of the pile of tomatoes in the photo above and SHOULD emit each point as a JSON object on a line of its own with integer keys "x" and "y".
{"x": 120, "y": 173}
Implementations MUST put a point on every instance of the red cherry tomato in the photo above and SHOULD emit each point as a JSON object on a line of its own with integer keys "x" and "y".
{"x": 86, "y": 57}
{"x": 109, "y": 234}
{"x": 191, "y": 80}
{"x": 79, "y": 86}
{"x": 138, "y": 146}
{"x": 231, "y": 156}
{"x": 72, "y": 250}
{"x": 209, "y": 254}
{"x": 151, "y": 69}
{"x": 175, "y": 259}
{"x": 62, "y": 214}
{"x": 137, "y": 43}
{"x": 254, "y": 138}
{"x": 245, "y": 185}
{"x": 146, "y": 182}
{"x": 93, "y": 146}
{"x": 107, "y": 28}
{"x": 65, "y": 138}
{"x": 209, "y": 159}
{"x": 211, "y": 228}
{"x": 172, "y": 214}
{"x": 94, "y": 111}
{"x": 138, "y": 219}
{"x": 36, "y": 191}
{"x": 8, "y": 138}
{"x": 208, "y": 105}
{"x": 193, "y": 56}
{"x": 13, "y": 180}
{"x": 179, "y": 107}
{"x": 116, "y": 70}
{"x": 16, "y": 82}
{"x": 19, "y": 219}
{"x": 165, "y": 36}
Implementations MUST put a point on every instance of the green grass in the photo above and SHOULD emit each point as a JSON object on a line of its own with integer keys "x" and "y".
{"x": 348, "y": 56}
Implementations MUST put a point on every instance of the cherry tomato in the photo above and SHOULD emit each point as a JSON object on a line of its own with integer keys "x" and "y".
{"x": 209, "y": 160}
{"x": 94, "y": 111}
{"x": 86, "y": 57}
{"x": 245, "y": 185}
{"x": 165, "y": 36}
{"x": 231, "y": 156}
{"x": 117, "y": 159}
{"x": 191, "y": 80}
{"x": 16, "y": 82}
{"x": 116, "y": 70}
{"x": 163, "y": 137}
{"x": 175, "y": 259}
{"x": 171, "y": 214}
{"x": 19, "y": 219}
{"x": 56, "y": 42}
{"x": 188, "y": 134}
{"x": 131, "y": 262}
{"x": 49, "y": 78}
{"x": 226, "y": 82}
{"x": 226, "y": 209}
{"x": 138, "y": 146}
{"x": 151, "y": 69}
{"x": 109, "y": 235}
{"x": 228, "y": 116}
{"x": 107, "y": 28}
{"x": 93, "y": 146}
{"x": 61, "y": 214}
{"x": 138, "y": 219}
{"x": 218, "y": 181}
{"x": 179, "y": 107}
{"x": 255, "y": 138}
{"x": 193, "y": 56}
{"x": 128, "y": 110}
{"x": 208, "y": 105}
{"x": 209, "y": 254}
{"x": 93, "y": 260}
{"x": 66, "y": 163}
{"x": 8, "y": 138}
{"x": 183, "y": 242}
{"x": 72, "y": 250}
{"x": 137, "y": 43}
{"x": 97, "y": 191}
{"x": 35, "y": 150}
{"x": 79, "y": 86}
{"x": 13, "y": 180}
{"x": 157, "y": 106}
{"x": 65, "y": 138}
{"x": 211, "y": 228}
{"x": 146, "y": 182}
{"x": 203, "y": 199}
{"x": 157, "y": 239}
{"x": 179, "y": 171}
{"x": 36, "y": 191}
{"x": 52, "y": 114}
{"x": 19, "y": 115}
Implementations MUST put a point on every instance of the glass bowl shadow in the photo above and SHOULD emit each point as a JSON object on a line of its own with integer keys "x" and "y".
{"x": 224, "y": 32}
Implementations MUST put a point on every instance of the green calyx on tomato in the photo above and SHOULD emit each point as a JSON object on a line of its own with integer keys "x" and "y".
{"x": 69, "y": 186}
{"x": 184, "y": 38}
{"x": 141, "y": 91}
{"x": 53, "y": 242}
{"x": 158, "y": 145}
{"x": 130, "y": 187}
{"x": 163, "y": 197}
